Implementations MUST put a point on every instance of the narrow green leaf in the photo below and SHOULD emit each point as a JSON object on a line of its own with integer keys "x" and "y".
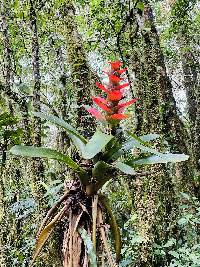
{"x": 98, "y": 141}
{"x": 89, "y": 148}
{"x": 43, "y": 152}
{"x": 138, "y": 139}
{"x": 89, "y": 246}
{"x": 78, "y": 140}
{"x": 149, "y": 137}
{"x": 136, "y": 142}
{"x": 164, "y": 158}
{"x": 114, "y": 226}
{"x": 102, "y": 172}
{"x": 124, "y": 168}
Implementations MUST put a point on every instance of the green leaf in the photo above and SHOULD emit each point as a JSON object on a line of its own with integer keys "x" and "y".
{"x": 77, "y": 138}
{"x": 163, "y": 158}
{"x": 88, "y": 149}
{"x": 149, "y": 137}
{"x": 137, "y": 142}
{"x": 111, "y": 149}
{"x": 43, "y": 152}
{"x": 89, "y": 246}
{"x": 113, "y": 225}
{"x": 174, "y": 253}
{"x": 140, "y": 6}
{"x": 102, "y": 172}
{"x": 98, "y": 141}
{"x": 170, "y": 243}
{"x": 124, "y": 168}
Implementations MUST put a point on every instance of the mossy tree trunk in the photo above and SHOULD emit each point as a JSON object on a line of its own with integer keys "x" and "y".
{"x": 37, "y": 167}
{"x": 191, "y": 77}
{"x": 155, "y": 195}
{"x": 81, "y": 75}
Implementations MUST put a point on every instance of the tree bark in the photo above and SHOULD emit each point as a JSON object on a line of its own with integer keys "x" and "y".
{"x": 155, "y": 195}
{"x": 191, "y": 79}
{"x": 82, "y": 77}
{"x": 37, "y": 164}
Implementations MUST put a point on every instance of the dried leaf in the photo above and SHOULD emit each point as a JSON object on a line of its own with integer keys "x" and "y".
{"x": 45, "y": 233}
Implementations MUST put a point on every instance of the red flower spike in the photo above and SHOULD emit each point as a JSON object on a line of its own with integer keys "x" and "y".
{"x": 121, "y": 86}
{"x": 125, "y": 104}
{"x": 114, "y": 91}
{"x": 115, "y": 95}
{"x": 101, "y": 105}
{"x": 121, "y": 71}
{"x": 114, "y": 79}
{"x": 118, "y": 116}
{"x": 96, "y": 114}
{"x": 103, "y": 88}
{"x": 115, "y": 65}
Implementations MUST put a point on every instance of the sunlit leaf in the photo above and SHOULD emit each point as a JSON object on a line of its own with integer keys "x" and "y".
{"x": 136, "y": 142}
{"x": 149, "y": 137}
{"x": 98, "y": 141}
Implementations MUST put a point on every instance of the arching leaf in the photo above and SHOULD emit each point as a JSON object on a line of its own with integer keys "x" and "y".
{"x": 114, "y": 226}
{"x": 43, "y": 152}
{"x": 164, "y": 158}
{"x": 45, "y": 234}
{"x": 78, "y": 140}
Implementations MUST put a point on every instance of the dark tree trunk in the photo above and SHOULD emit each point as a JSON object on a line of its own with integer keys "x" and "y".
{"x": 37, "y": 164}
{"x": 82, "y": 77}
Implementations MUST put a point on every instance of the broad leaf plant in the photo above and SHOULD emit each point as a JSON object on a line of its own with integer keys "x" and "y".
{"x": 102, "y": 158}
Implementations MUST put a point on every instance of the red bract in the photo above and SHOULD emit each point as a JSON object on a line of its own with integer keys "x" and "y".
{"x": 96, "y": 114}
{"x": 114, "y": 79}
{"x": 121, "y": 71}
{"x": 125, "y": 104}
{"x": 99, "y": 101}
{"x": 103, "y": 88}
{"x": 114, "y": 95}
{"x": 115, "y": 65}
{"x": 113, "y": 109}
{"x": 118, "y": 116}
{"x": 121, "y": 86}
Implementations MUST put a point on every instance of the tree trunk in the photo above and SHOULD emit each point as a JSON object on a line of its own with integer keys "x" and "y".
{"x": 37, "y": 167}
{"x": 155, "y": 195}
{"x": 191, "y": 80}
{"x": 82, "y": 77}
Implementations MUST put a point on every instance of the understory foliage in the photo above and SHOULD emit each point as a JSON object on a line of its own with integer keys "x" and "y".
{"x": 99, "y": 133}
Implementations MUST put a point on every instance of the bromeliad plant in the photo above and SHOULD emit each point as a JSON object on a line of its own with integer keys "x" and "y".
{"x": 102, "y": 158}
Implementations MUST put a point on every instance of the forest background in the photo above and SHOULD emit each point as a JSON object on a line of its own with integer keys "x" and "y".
{"x": 52, "y": 54}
